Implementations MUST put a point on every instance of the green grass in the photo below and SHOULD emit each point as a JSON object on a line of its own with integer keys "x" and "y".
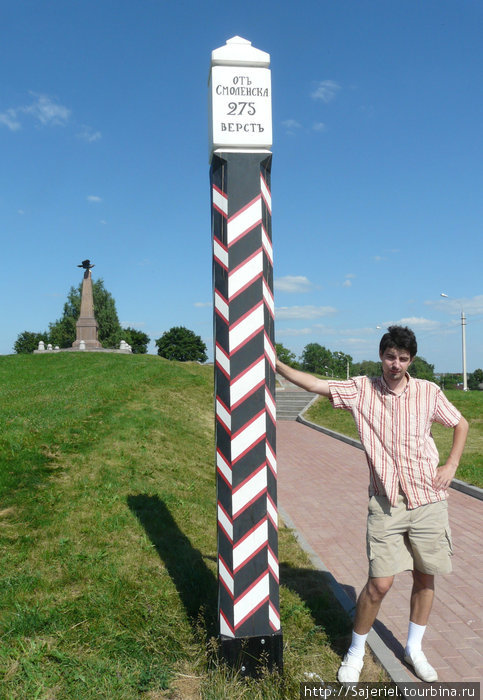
{"x": 108, "y": 539}
{"x": 469, "y": 403}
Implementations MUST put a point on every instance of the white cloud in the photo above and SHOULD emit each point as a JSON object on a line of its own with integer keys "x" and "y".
{"x": 9, "y": 119}
{"x": 388, "y": 251}
{"x": 455, "y": 305}
{"x": 94, "y": 198}
{"x": 291, "y": 332}
{"x": 326, "y": 90}
{"x": 473, "y": 306}
{"x": 356, "y": 341}
{"x": 44, "y": 110}
{"x": 319, "y": 126}
{"x": 368, "y": 330}
{"x": 347, "y": 283}
{"x": 303, "y": 312}
{"x": 47, "y": 111}
{"x": 292, "y": 284}
{"x": 203, "y": 304}
{"x": 422, "y": 324}
{"x": 291, "y": 124}
{"x": 88, "y": 135}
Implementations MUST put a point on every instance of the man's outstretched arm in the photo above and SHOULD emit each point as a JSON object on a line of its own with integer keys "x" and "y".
{"x": 445, "y": 474}
{"x": 303, "y": 379}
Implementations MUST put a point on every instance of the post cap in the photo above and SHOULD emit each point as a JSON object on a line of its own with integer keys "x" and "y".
{"x": 239, "y": 52}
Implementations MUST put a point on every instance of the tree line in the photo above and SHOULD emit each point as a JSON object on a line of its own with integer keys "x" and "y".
{"x": 317, "y": 359}
{"x": 179, "y": 343}
{"x": 62, "y": 332}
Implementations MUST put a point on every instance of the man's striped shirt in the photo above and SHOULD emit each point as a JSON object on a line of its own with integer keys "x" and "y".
{"x": 395, "y": 431}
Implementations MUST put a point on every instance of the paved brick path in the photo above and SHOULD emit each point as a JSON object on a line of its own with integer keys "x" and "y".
{"x": 322, "y": 485}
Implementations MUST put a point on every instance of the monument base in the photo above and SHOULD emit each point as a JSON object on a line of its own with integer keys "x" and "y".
{"x": 250, "y": 656}
{"x": 86, "y": 345}
{"x": 122, "y": 351}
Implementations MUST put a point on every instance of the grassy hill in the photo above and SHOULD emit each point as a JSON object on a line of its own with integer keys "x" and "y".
{"x": 108, "y": 539}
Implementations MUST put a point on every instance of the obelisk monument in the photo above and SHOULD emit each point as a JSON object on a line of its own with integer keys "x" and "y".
{"x": 87, "y": 326}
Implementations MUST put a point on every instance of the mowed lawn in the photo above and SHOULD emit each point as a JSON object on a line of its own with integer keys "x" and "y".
{"x": 108, "y": 539}
{"x": 470, "y": 404}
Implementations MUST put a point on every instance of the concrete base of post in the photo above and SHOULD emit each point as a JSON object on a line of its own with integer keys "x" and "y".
{"x": 251, "y": 656}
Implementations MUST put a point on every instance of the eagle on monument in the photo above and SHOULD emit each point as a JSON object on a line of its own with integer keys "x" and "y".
{"x": 86, "y": 264}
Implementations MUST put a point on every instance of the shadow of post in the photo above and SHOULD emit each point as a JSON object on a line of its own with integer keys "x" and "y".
{"x": 196, "y": 584}
{"x": 314, "y": 587}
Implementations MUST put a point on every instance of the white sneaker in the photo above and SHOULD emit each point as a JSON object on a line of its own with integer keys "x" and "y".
{"x": 421, "y": 665}
{"x": 350, "y": 669}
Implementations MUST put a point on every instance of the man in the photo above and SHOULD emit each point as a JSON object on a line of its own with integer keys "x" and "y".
{"x": 407, "y": 524}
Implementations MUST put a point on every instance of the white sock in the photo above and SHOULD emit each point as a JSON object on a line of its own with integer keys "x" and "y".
{"x": 357, "y": 646}
{"x": 415, "y": 637}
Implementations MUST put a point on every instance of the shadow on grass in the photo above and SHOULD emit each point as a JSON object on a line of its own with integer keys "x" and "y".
{"x": 314, "y": 588}
{"x": 197, "y": 586}
{"x": 195, "y": 583}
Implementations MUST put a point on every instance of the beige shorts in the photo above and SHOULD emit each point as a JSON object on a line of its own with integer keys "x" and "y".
{"x": 399, "y": 539}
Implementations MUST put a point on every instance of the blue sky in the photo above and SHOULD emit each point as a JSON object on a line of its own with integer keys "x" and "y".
{"x": 376, "y": 173}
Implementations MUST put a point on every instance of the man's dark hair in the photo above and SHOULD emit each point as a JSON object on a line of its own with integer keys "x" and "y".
{"x": 400, "y": 337}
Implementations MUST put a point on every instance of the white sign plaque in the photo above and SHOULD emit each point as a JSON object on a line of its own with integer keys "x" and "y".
{"x": 240, "y": 99}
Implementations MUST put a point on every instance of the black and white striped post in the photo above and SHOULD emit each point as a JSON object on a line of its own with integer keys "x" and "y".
{"x": 240, "y": 138}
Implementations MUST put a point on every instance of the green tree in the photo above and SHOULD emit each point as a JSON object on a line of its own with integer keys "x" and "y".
{"x": 315, "y": 358}
{"x": 28, "y": 342}
{"x": 179, "y": 343}
{"x": 285, "y": 355}
{"x": 366, "y": 368}
{"x": 340, "y": 362}
{"x": 63, "y": 331}
{"x": 451, "y": 380}
{"x": 475, "y": 379}
{"x": 421, "y": 369}
{"x": 137, "y": 340}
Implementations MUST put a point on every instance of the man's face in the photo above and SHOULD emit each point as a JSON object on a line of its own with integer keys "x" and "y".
{"x": 395, "y": 363}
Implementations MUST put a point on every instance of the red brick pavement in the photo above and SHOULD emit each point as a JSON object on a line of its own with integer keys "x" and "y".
{"x": 322, "y": 485}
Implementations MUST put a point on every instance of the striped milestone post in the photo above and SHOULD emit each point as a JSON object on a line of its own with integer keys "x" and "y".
{"x": 248, "y": 587}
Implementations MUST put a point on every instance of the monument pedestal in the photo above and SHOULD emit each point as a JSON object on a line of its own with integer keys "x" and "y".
{"x": 87, "y": 326}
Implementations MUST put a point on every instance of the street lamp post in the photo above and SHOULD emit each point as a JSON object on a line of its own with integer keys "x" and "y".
{"x": 463, "y": 344}
{"x": 341, "y": 356}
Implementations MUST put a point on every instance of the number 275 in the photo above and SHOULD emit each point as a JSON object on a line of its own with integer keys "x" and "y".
{"x": 241, "y": 108}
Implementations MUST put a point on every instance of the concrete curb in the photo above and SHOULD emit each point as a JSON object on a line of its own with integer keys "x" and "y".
{"x": 456, "y": 484}
{"x": 383, "y": 654}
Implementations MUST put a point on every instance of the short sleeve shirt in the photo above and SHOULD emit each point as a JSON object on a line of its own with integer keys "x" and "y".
{"x": 395, "y": 431}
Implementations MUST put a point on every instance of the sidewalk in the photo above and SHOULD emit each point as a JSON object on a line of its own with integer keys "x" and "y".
{"x": 322, "y": 486}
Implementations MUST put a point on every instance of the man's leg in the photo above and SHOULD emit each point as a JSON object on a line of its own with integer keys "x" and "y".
{"x": 422, "y": 596}
{"x": 369, "y": 602}
{"x": 430, "y": 539}
{"x": 368, "y": 605}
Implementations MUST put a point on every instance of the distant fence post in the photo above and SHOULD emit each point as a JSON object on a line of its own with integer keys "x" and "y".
{"x": 250, "y": 634}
